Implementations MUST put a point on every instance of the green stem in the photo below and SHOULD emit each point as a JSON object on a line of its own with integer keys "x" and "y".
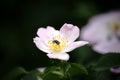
{"x": 69, "y": 77}
{"x": 65, "y": 67}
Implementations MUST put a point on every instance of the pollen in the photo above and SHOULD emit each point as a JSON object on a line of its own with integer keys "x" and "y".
{"x": 57, "y": 44}
{"x": 115, "y": 27}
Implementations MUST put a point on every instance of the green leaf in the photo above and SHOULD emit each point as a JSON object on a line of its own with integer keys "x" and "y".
{"x": 103, "y": 75}
{"x": 107, "y": 61}
{"x": 51, "y": 76}
{"x": 64, "y": 71}
{"x": 77, "y": 69}
{"x": 65, "y": 66}
{"x": 53, "y": 73}
{"x": 57, "y": 72}
{"x": 33, "y": 75}
{"x": 15, "y": 74}
{"x": 54, "y": 70}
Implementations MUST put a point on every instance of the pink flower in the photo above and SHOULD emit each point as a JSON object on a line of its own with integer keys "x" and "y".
{"x": 103, "y": 32}
{"x": 115, "y": 69}
{"x": 57, "y": 43}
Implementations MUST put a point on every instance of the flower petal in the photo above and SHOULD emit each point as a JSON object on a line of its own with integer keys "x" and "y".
{"x": 69, "y": 32}
{"x": 76, "y": 44}
{"x": 60, "y": 56}
{"x": 118, "y": 33}
{"x": 115, "y": 70}
{"x": 94, "y": 31}
{"x": 47, "y": 34}
{"x": 52, "y": 32}
{"x": 43, "y": 34}
{"x": 98, "y": 26}
{"x": 104, "y": 47}
{"x": 41, "y": 45}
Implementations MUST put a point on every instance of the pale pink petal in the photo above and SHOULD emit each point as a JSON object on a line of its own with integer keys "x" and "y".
{"x": 52, "y": 32}
{"x": 69, "y": 32}
{"x": 108, "y": 46}
{"x": 115, "y": 70}
{"x": 97, "y": 28}
{"x": 118, "y": 33}
{"x": 43, "y": 34}
{"x": 50, "y": 29}
{"x": 75, "y": 45}
{"x": 106, "y": 18}
{"x": 47, "y": 34}
{"x": 94, "y": 33}
{"x": 60, "y": 56}
{"x": 41, "y": 45}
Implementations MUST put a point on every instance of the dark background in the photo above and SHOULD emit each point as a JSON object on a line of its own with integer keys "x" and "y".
{"x": 20, "y": 19}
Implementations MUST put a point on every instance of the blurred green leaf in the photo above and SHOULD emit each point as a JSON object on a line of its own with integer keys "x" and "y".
{"x": 107, "y": 61}
{"x": 15, "y": 74}
{"x": 57, "y": 72}
{"x": 65, "y": 66}
{"x": 33, "y": 75}
{"x": 105, "y": 75}
{"x": 54, "y": 70}
{"x": 51, "y": 76}
{"x": 53, "y": 73}
{"x": 77, "y": 69}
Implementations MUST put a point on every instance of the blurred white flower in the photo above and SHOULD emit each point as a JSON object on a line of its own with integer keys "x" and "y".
{"x": 57, "y": 43}
{"x": 41, "y": 69}
{"x": 103, "y": 32}
{"x": 39, "y": 78}
{"x": 115, "y": 70}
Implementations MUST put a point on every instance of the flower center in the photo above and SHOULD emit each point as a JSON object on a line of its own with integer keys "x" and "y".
{"x": 115, "y": 27}
{"x": 57, "y": 44}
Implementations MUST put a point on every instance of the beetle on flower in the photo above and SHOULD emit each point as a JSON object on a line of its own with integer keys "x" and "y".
{"x": 56, "y": 43}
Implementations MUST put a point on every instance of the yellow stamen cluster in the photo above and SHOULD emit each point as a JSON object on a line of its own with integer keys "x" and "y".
{"x": 57, "y": 44}
{"x": 114, "y": 27}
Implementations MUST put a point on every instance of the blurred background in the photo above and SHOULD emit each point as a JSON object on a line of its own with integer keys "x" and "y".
{"x": 20, "y": 19}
